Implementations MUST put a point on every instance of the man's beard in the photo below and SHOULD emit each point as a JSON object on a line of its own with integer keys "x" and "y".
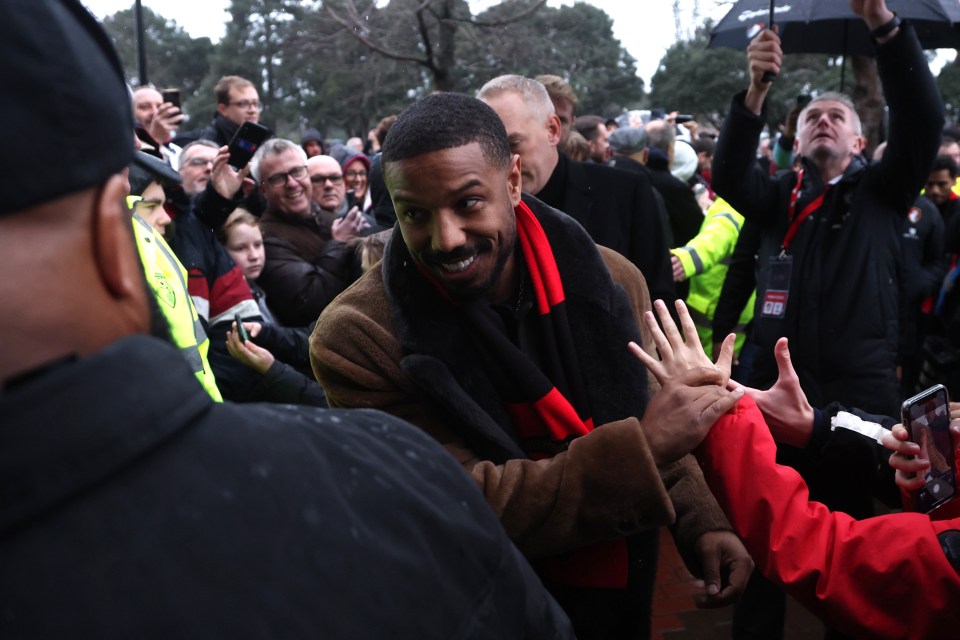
{"x": 482, "y": 290}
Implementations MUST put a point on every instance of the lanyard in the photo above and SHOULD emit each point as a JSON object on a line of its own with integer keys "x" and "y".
{"x": 796, "y": 220}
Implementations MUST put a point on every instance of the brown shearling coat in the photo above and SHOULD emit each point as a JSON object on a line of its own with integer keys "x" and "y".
{"x": 606, "y": 485}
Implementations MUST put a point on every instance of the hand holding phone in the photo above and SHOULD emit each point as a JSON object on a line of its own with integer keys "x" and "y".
{"x": 172, "y": 96}
{"x": 244, "y": 336}
{"x": 245, "y": 142}
{"x": 926, "y": 416}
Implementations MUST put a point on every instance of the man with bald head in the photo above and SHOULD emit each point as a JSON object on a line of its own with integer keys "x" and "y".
{"x": 329, "y": 189}
{"x": 617, "y": 209}
{"x": 135, "y": 506}
{"x": 156, "y": 121}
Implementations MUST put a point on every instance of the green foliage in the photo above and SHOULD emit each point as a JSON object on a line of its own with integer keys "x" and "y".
{"x": 311, "y": 71}
{"x": 174, "y": 58}
{"x": 694, "y": 79}
{"x": 574, "y": 42}
{"x": 949, "y": 83}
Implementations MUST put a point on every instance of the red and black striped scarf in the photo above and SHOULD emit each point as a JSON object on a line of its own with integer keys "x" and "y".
{"x": 548, "y": 403}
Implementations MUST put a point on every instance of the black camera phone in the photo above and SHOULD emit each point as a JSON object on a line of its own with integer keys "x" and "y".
{"x": 245, "y": 143}
{"x": 926, "y": 417}
{"x": 242, "y": 330}
{"x": 172, "y": 96}
{"x": 351, "y": 199}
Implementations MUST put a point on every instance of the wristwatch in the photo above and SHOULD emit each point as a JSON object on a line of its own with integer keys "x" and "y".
{"x": 886, "y": 27}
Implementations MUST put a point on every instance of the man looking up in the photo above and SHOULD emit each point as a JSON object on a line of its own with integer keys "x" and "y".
{"x": 835, "y": 221}
{"x": 499, "y": 328}
{"x": 132, "y": 504}
{"x": 617, "y": 209}
{"x": 830, "y": 265}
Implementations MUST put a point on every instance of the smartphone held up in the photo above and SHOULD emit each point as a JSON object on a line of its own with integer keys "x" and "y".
{"x": 245, "y": 142}
{"x": 926, "y": 417}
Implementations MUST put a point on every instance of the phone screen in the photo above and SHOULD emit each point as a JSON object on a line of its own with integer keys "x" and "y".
{"x": 927, "y": 417}
{"x": 245, "y": 142}
{"x": 172, "y": 96}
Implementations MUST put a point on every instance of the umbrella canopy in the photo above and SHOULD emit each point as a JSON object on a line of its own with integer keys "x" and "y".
{"x": 829, "y": 26}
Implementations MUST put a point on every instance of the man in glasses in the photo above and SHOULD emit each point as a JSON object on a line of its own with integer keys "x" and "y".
{"x": 308, "y": 257}
{"x": 329, "y": 186}
{"x": 237, "y": 102}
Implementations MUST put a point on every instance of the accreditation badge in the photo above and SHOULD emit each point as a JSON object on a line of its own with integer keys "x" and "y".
{"x": 778, "y": 287}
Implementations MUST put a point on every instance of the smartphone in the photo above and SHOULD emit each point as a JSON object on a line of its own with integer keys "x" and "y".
{"x": 927, "y": 418}
{"x": 351, "y": 199}
{"x": 683, "y": 117}
{"x": 245, "y": 142}
{"x": 242, "y": 330}
{"x": 172, "y": 96}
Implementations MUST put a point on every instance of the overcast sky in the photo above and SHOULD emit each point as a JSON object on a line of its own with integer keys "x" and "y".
{"x": 645, "y": 29}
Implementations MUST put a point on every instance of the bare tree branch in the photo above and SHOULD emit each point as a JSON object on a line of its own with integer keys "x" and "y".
{"x": 505, "y": 21}
{"x": 393, "y": 55}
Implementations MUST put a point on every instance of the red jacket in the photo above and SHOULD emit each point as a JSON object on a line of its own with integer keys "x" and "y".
{"x": 884, "y": 577}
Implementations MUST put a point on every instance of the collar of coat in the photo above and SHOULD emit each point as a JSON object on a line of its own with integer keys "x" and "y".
{"x": 442, "y": 360}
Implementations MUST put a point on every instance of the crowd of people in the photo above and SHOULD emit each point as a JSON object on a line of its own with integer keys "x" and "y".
{"x": 453, "y": 379}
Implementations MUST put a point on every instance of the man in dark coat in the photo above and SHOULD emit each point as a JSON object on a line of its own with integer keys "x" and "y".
{"x": 617, "y": 209}
{"x": 841, "y": 235}
{"x": 830, "y": 259}
{"x": 237, "y": 102}
{"x": 133, "y": 506}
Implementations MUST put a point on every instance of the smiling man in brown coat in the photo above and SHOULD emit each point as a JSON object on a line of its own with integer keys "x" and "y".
{"x": 472, "y": 330}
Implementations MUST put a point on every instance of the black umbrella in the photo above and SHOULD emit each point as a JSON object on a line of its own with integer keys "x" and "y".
{"x": 829, "y": 26}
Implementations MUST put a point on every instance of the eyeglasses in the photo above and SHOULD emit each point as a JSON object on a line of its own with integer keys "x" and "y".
{"x": 335, "y": 178}
{"x": 198, "y": 162}
{"x": 355, "y": 174}
{"x": 247, "y": 105}
{"x": 280, "y": 179}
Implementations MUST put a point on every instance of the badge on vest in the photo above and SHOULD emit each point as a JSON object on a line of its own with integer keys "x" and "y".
{"x": 778, "y": 287}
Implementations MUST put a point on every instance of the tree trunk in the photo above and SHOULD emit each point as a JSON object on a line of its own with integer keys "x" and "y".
{"x": 868, "y": 98}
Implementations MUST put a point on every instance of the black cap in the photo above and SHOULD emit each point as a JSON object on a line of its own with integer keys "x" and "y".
{"x": 146, "y": 168}
{"x": 65, "y": 112}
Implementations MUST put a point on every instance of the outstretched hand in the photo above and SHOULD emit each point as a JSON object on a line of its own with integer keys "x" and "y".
{"x": 784, "y": 405}
{"x": 680, "y": 353}
{"x": 693, "y": 393}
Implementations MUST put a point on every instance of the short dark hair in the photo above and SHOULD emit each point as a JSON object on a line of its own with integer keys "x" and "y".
{"x": 446, "y": 121}
{"x": 944, "y": 162}
{"x": 228, "y": 83}
{"x": 588, "y": 126}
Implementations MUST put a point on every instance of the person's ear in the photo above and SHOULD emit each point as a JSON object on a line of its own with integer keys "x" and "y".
{"x": 115, "y": 251}
{"x": 554, "y": 129}
{"x": 859, "y": 144}
{"x": 514, "y": 180}
{"x": 222, "y": 108}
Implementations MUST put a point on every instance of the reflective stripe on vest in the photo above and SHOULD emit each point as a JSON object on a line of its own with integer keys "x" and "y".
{"x": 160, "y": 263}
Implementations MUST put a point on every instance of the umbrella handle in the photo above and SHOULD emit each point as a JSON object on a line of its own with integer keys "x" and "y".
{"x": 768, "y": 76}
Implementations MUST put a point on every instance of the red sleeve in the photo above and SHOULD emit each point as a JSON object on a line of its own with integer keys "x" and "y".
{"x": 882, "y": 577}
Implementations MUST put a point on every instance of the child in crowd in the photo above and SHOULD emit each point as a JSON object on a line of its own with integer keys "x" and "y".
{"x": 286, "y": 380}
